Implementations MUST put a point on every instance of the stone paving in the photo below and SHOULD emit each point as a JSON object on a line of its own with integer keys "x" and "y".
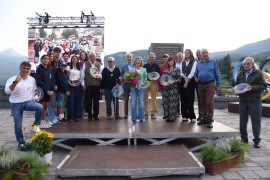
{"x": 256, "y": 165}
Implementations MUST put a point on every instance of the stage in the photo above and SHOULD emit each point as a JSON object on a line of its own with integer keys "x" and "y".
{"x": 133, "y": 161}
{"x": 155, "y": 131}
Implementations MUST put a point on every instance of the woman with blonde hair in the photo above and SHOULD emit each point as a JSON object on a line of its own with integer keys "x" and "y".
{"x": 137, "y": 94}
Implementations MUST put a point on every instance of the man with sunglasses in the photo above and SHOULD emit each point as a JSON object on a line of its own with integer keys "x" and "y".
{"x": 250, "y": 101}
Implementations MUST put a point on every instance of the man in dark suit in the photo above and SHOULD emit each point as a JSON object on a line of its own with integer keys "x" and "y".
{"x": 126, "y": 87}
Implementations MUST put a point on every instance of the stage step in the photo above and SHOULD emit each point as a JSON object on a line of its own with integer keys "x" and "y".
{"x": 133, "y": 161}
{"x": 233, "y": 107}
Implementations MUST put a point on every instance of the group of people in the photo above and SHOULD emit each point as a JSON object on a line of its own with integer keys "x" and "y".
{"x": 68, "y": 83}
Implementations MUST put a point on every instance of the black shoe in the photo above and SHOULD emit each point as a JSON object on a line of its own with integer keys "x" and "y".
{"x": 90, "y": 118}
{"x": 257, "y": 145}
{"x": 201, "y": 122}
{"x": 244, "y": 140}
{"x": 165, "y": 117}
{"x": 126, "y": 116}
{"x": 199, "y": 118}
{"x": 210, "y": 124}
{"x": 96, "y": 118}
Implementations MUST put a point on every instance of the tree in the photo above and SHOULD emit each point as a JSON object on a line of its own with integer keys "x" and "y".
{"x": 42, "y": 33}
{"x": 225, "y": 67}
{"x": 67, "y": 32}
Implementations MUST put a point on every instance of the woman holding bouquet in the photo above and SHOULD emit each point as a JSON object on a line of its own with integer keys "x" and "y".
{"x": 137, "y": 94}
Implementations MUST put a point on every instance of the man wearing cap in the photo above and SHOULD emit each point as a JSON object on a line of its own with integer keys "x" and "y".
{"x": 250, "y": 101}
{"x": 91, "y": 86}
{"x": 150, "y": 67}
{"x": 110, "y": 79}
{"x": 126, "y": 87}
{"x": 161, "y": 69}
{"x": 62, "y": 90}
{"x": 207, "y": 72}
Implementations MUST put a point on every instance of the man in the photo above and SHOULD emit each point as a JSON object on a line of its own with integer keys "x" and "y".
{"x": 110, "y": 78}
{"x": 199, "y": 58}
{"x": 91, "y": 86}
{"x": 21, "y": 89}
{"x": 151, "y": 66}
{"x": 126, "y": 87}
{"x": 162, "y": 67}
{"x": 179, "y": 61}
{"x": 250, "y": 101}
{"x": 207, "y": 72}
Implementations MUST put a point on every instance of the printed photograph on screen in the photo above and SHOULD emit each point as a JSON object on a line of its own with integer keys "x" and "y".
{"x": 71, "y": 40}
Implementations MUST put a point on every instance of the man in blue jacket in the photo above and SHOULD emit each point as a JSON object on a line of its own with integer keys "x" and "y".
{"x": 207, "y": 72}
{"x": 126, "y": 87}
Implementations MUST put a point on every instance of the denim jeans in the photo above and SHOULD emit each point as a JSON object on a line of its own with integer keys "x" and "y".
{"x": 137, "y": 99}
{"x": 109, "y": 98}
{"x": 51, "y": 109}
{"x": 75, "y": 100}
{"x": 17, "y": 112}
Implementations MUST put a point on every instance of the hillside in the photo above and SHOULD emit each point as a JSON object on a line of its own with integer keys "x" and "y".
{"x": 260, "y": 49}
{"x": 120, "y": 58}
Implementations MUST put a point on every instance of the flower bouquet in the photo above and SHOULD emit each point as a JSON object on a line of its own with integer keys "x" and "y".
{"x": 131, "y": 78}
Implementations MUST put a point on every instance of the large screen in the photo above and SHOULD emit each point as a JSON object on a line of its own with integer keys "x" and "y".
{"x": 71, "y": 40}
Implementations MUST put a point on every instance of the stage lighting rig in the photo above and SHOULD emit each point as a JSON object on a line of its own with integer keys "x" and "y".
{"x": 90, "y": 19}
{"x": 43, "y": 19}
{"x": 85, "y": 20}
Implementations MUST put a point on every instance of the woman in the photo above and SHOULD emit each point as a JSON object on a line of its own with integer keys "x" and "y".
{"x": 83, "y": 58}
{"x": 46, "y": 81}
{"x": 171, "y": 91}
{"x": 51, "y": 118}
{"x": 187, "y": 86}
{"x": 75, "y": 109}
{"x": 136, "y": 93}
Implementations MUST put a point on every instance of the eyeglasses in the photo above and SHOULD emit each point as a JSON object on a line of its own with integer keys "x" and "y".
{"x": 247, "y": 63}
{"x": 110, "y": 61}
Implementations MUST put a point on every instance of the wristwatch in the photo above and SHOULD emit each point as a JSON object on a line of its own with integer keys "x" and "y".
{"x": 15, "y": 82}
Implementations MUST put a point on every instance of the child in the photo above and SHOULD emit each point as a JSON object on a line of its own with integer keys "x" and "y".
{"x": 62, "y": 90}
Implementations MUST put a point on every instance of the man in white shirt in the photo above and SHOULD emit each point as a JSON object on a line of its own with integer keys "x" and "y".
{"x": 21, "y": 89}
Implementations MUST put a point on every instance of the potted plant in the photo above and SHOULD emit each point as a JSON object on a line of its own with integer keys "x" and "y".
{"x": 224, "y": 155}
{"x": 41, "y": 143}
{"x": 16, "y": 166}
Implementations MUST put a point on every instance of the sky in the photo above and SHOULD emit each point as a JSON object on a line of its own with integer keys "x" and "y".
{"x": 217, "y": 25}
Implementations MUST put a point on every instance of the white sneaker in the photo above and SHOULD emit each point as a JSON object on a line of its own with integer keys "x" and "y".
{"x": 44, "y": 125}
{"x": 50, "y": 123}
{"x": 55, "y": 121}
{"x": 35, "y": 128}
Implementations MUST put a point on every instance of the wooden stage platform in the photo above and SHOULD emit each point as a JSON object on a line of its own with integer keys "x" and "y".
{"x": 134, "y": 161}
{"x": 157, "y": 131}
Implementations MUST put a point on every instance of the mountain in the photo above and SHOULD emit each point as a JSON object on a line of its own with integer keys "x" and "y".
{"x": 9, "y": 64}
{"x": 120, "y": 58}
{"x": 260, "y": 49}
{"x": 10, "y": 52}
